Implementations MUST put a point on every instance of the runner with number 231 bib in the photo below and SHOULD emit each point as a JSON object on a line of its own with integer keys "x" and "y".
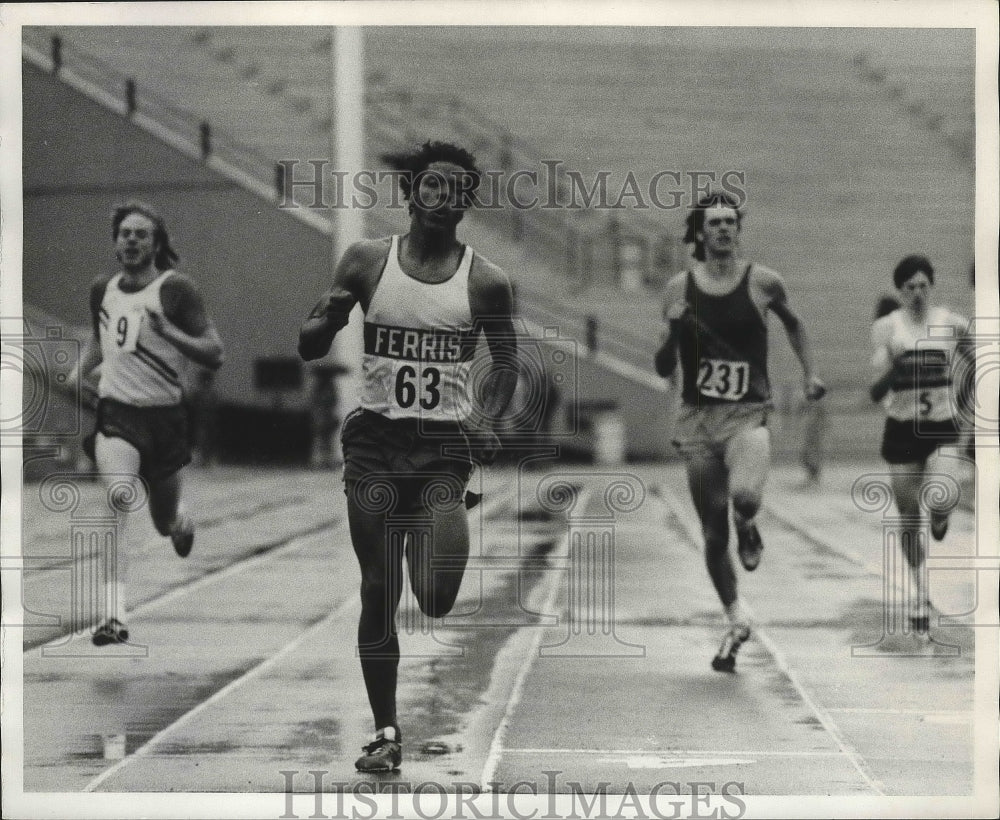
{"x": 716, "y": 316}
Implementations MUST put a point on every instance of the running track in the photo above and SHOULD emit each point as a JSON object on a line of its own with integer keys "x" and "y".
{"x": 577, "y": 655}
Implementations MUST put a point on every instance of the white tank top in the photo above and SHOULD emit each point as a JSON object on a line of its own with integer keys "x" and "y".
{"x": 138, "y": 367}
{"x": 419, "y": 344}
{"x": 924, "y": 389}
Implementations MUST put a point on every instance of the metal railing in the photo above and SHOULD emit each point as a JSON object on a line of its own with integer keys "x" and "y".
{"x": 131, "y": 100}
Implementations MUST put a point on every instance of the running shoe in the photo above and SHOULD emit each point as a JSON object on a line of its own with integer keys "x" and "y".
{"x": 183, "y": 536}
{"x": 112, "y": 631}
{"x": 749, "y": 547}
{"x": 939, "y": 525}
{"x": 383, "y": 754}
{"x": 725, "y": 660}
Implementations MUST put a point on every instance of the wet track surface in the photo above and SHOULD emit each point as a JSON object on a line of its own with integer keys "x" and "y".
{"x": 576, "y": 658}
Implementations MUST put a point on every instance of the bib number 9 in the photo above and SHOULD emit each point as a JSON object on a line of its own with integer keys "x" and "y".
{"x": 722, "y": 379}
{"x": 407, "y": 384}
{"x": 126, "y": 330}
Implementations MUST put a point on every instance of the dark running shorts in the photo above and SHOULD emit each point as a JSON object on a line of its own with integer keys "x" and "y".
{"x": 404, "y": 465}
{"x": 160, "y": 434}
{"x": 912, "y": 442}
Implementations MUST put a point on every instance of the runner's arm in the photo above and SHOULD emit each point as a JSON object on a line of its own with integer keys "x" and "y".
{"x": 882, "y": 362}
{"x": 332, "y": 311}
{"x": 675, "y": 311}
{"x": 186, "y": 325}
{"x": 492, "y": 303}
{"x": 90, "y": 357}
{"x": 797, "y": 337}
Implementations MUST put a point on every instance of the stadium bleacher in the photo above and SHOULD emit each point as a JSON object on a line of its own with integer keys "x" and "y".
{"x": 852, "y": 154}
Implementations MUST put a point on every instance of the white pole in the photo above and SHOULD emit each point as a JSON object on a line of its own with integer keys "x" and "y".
{"x": 347, "y": 147}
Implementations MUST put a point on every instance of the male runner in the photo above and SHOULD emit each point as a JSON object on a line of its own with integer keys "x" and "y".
{"x": 409, "y": 448}
{"x": 915, "y": 349}
{"x": 149, "y": 322}
{"x": 717, "y": 326}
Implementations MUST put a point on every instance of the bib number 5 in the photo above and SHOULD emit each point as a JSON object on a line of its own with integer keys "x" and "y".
{"x": 722, "y": 379}
{"x": 407, "y": 384}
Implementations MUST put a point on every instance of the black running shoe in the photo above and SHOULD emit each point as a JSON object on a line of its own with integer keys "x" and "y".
{"x": 183, "y": 536}
{"x": 381, "y": 755}
{"x": 939, "y": 525}
{"x": 725, "y": 660}
{"x": 112, "y": 631}
{"x": 749, "y": 547}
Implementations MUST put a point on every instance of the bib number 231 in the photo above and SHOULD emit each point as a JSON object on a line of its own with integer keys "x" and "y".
{"x": 722, "y": 379}
{"x": 408, "y": 384}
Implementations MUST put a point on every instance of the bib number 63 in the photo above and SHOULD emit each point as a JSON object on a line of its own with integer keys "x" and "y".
{"x": 407, "y": 384}
{"x": 723, "y": 379}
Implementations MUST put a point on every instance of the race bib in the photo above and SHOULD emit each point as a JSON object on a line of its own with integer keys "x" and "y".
{"x": 928, "y": 404}
{"x": 125, "y": 330}
{"x": 723, "y": 379}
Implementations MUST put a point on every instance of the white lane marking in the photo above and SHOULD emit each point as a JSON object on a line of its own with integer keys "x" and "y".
{"x": 240, "y": 565}
{"x": 612, "y": 754}
{"x": 254, "y": 672}
{"x": 150, "y": 544}
{"x": 948, "y": 719}
{"x": 660, "y": 762}
{"x": 694, "y": 536}
{"x": 517, "y": 690}
{"x": 928, "y": 715}
{"x": 263, "y": 666}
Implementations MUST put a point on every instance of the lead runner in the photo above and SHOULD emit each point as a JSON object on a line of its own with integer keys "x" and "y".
{"x": 421, "y": 424}
{"x": 717, "y": 327}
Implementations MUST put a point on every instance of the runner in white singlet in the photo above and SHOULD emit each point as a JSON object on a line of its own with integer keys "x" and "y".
{"x": 149, "y": 325}
{"x": 410, "y": 447}
{"x": 916, "y": 350}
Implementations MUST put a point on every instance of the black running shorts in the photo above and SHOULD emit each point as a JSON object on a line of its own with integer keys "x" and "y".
{"x": 912, "y": 441}
{"x": 404, "y": 465}
{"x": 160, "y": 434}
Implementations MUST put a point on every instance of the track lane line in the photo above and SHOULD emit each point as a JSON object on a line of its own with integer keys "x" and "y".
{"x": 270, "y": 552}
{"x": 345, "y": 606}
{"x": 343, "y": 609}
{"x": 693, "y": 533}
{"x": 551, "y": 594}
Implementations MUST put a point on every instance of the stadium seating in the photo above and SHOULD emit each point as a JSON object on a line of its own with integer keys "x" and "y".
{"x": 852, "y": 157}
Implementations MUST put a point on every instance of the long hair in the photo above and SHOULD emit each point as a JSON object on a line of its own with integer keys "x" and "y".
{"x": 413, "y": 162}
{"x": 166, "y": 256}
{"x": 695, "y": 220}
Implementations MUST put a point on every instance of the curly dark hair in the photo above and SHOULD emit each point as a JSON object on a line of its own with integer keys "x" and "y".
{"x": 413, "y": 162}
{"x": 910, "y": 266}
{"x": 166, "y": 256}
{"x": 695, "y": 220}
